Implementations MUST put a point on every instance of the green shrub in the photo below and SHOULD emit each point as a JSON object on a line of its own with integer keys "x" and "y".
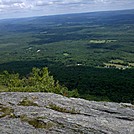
{"x": 39, "y": 80}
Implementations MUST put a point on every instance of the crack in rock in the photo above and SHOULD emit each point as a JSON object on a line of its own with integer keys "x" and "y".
{"x": 41, "y": 113}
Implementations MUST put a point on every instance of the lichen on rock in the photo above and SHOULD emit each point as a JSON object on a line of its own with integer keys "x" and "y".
{"x": 51, "y": 113}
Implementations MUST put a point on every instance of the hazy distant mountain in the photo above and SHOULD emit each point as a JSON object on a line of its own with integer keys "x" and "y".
{"x": 105, "y": 17}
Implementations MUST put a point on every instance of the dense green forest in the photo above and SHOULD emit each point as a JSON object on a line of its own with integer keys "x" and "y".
{"x": 90, "y": 52}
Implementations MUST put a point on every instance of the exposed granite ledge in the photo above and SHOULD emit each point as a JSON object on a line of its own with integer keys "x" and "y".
{"x": 40, "y": 113}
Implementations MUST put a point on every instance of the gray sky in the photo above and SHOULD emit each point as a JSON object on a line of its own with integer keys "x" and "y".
{"x": 27, "y": 8}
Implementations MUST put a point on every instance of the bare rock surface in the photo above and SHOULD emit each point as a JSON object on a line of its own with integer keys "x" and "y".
{"x": 48, "y": 113}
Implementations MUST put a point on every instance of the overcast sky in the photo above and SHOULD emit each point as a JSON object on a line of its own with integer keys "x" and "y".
{"x": 27, "y": 8}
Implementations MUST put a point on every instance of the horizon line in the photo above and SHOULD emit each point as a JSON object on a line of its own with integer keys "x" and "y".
{"x": 64, "y": 14}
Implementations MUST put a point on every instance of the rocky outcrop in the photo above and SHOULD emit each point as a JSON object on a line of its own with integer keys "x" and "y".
{"x": 48, "y": 113}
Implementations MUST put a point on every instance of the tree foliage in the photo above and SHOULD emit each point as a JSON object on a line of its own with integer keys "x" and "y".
{"x": 39, "y": 80}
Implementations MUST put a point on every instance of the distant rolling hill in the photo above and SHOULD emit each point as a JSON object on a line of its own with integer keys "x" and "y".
{"x": 103, "y": 17}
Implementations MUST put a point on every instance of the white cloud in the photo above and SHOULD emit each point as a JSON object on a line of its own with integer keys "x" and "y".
{"x": 8, "y": 2}
{"x": 44, "y": 7}
{"x": 22, "y": 5}
{"x": 102, "y": 1}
